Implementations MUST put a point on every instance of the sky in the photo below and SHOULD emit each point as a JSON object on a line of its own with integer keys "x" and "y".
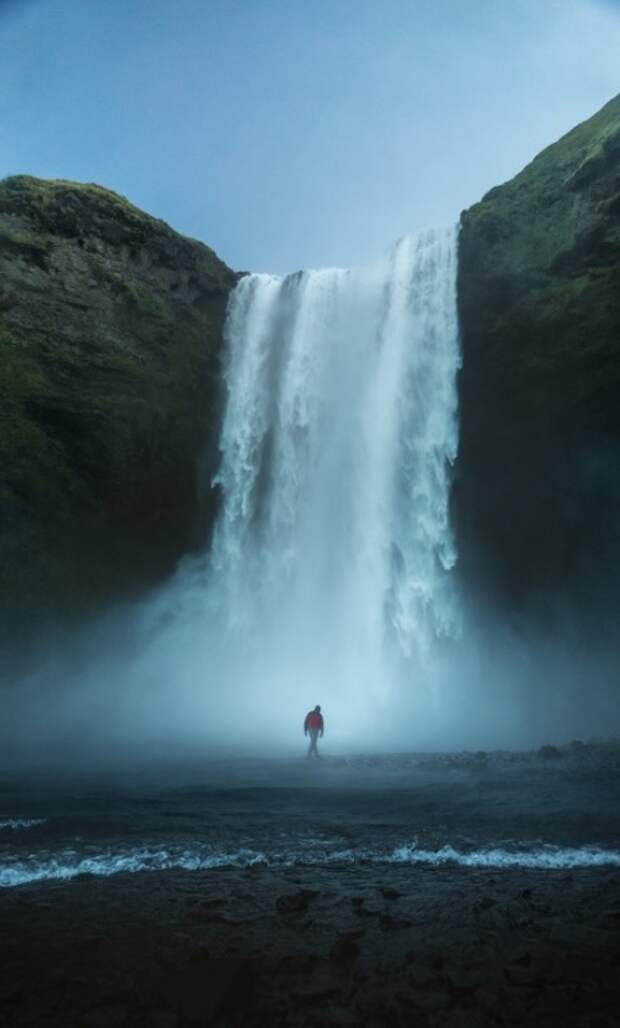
{"x": 288, "y": 133}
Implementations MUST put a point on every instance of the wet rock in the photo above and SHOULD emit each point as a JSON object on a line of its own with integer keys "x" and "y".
{"x": 298, "y": 963}
{"x": 360, "y": 908}
{"x": 319, "y": 989}
{"x": 203, "y": 988}
{"x": 393, "y": 924}
{"x": 525, "y": 959}
{"x": 198, "y": 901}
{"x": 163, "y": 1019}
{"x": 345, "y": 950}
{"x": 461, "y": 993}
{"x": 296, "y": 902}
{"x": 549, "y": 752}
{"x": 610, "y": 919}
{"x": 204, "y": 916}
{"x": 457, "y": 1019}
{"x": 200, "y": 953}
{"x": 105, "y": 1017}
{"x": 389, "y": 893}
{"x": 485, "y": 903}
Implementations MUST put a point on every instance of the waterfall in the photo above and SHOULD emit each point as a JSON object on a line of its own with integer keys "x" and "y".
{"x": 332, "y": 556}
{"x": 330, "y": 578}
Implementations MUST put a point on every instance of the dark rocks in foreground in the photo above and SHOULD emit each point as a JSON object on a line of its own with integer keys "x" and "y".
{"x": 459, "y": 948}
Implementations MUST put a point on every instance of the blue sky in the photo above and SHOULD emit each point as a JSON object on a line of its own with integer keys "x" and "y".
{"x": 290, "y": 133}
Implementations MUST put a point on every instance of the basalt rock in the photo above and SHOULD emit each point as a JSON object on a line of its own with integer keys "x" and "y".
{"x": 537, "y": 496}
{"x": 110, "y": 339}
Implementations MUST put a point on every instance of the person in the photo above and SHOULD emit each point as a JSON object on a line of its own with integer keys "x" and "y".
{"x": 314, "y": 726}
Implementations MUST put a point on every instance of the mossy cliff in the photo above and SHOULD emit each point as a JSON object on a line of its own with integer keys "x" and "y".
{"x": 110, "y": 338}
{"x": 537, "y": 497}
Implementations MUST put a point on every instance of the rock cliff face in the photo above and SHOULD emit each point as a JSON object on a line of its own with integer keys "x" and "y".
{"x": 110, "y": 340}
{"x": 537, "y": 496}
{"x": 110, "y": 336}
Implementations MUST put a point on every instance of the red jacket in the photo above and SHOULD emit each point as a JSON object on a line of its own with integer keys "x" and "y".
{"x": 313, "y": 722}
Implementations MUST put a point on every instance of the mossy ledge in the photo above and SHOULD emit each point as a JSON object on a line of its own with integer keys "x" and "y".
{"x": 537, "y": 499}
{"x": 110, "y": 342}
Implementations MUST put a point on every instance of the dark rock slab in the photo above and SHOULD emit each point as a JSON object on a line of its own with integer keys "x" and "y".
{"x": 295, "y": 902}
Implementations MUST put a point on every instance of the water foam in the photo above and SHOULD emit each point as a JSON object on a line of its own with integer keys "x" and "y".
{"x": 67, "y": 866}
{"x": 543, "y": 858}
{"x": 21, "y": 822}
{"x": 339, "y": 432}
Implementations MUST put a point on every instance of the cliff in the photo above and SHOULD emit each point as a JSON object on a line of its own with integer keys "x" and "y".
{"x": 110, "y": 340}
{"x": 110, "y": 336}
{"x": 537, "y": 498}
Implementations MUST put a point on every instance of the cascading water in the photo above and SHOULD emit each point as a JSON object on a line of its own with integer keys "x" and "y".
{"x": 330, "y": 567}
{"x": 329, "y": 578}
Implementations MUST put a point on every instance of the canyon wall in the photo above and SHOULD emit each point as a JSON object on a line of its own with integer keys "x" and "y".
{"x": 110, "y": 339}
{"x": 537, "y": 493}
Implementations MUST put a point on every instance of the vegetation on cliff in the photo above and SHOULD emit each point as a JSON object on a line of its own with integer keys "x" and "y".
{"x": 110, "y": 336}
{"x": 537, "y": 502}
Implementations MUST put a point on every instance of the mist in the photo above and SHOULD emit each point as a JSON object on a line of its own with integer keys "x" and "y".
{"x": 153, "y": 683}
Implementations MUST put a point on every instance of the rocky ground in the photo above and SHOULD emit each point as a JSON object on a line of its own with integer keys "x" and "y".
{"x": 327, "y": 945}
{"x": 429, "y": 947}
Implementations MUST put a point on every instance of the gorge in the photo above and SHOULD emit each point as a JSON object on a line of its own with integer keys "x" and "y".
{"x": 340, "y": 495}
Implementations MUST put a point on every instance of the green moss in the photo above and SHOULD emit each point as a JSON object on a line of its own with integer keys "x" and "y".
{"x": 24, "y": 243}
{"x": 45, "y": 193}
{"x": 79, "y": 423}
{"x": 538, "y": 286}
{"x": 34, "y": 463}
{"x": 145, "y": 300}
{"x": 555, "y": 219}
{"x": 107, "y": 384}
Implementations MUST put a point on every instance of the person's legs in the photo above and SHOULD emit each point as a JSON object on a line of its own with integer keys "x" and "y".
{"x": 312, "y": 747}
